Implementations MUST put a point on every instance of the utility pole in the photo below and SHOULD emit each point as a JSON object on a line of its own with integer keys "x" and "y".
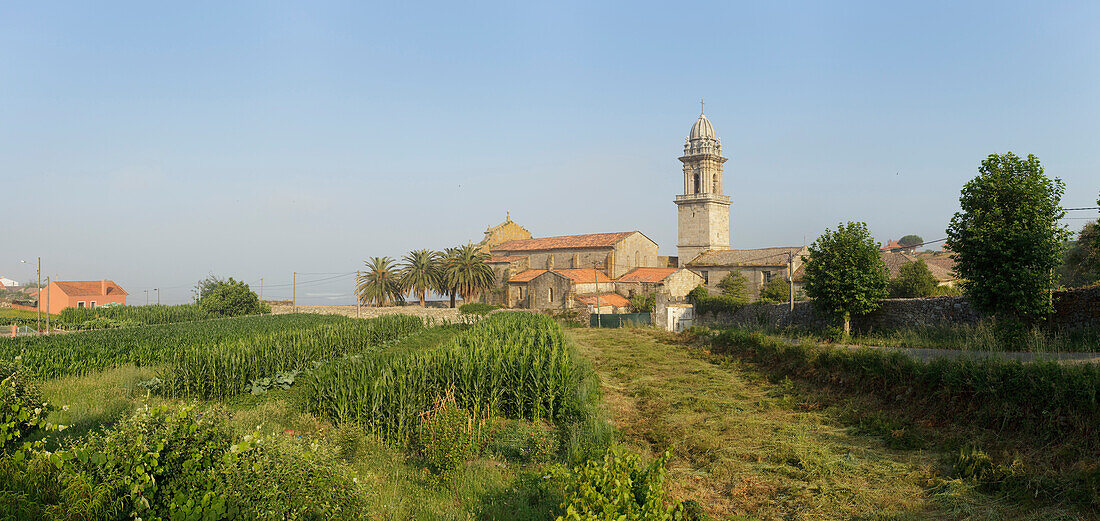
{"x": 596, "y": 279}
{"x": 294, "y": 291}
{"x": 358, "y": 303}
{"x": 158, "y": 295}
{"x": 38, "y": 323}
{"x": 790, "y": 276}
{"x": 261, "y": 289}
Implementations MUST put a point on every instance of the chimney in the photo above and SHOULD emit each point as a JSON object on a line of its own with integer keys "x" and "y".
{"x": 102, "y": 287}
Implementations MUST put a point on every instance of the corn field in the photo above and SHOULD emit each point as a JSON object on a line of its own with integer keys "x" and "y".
{"x": 73, "y": 318}
{"x": 518, "y": 365}
{"x": 92, "y": 351}
{"x": 225, "y": 368}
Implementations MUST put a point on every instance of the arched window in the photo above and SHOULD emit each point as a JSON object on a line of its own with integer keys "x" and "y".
{"x": 550, "y": 294}
{"x": 697, "y": 186}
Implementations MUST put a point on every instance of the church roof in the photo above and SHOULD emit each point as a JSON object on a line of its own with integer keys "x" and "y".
{"x": 647, "y": 274}
{"x": 702, "y": 129}
{"x": 591, "y": 240}
{"x": 756, "y": 257}
{"x": 526, "y": 276}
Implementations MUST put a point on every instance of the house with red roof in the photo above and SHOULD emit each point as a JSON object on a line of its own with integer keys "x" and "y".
{"x": 676, "y": 282}
{"x": 59, "y": 295}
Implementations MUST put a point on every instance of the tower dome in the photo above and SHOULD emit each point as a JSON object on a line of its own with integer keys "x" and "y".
{"x": 702, "y": 129}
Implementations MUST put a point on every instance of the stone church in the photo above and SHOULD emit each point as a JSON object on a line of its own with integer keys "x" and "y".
{"x": 571, "y": 270}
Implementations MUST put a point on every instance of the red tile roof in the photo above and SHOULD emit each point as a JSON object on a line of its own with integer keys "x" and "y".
{"x": 504, "y": 258}
{"x": 80, "y": 288}
{"x": 647, "y": 274}
{"x": 525, "y": 276}
{"x": 592, "y": 240}
{"x": 584, "y": 275}
{"x": 609, "y": 299}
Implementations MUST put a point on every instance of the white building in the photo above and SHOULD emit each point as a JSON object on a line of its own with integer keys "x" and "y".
{"x": 8, "y": 283}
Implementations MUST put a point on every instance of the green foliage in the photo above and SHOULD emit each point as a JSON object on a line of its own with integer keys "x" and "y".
{"x": 231, "y": 298}
{"x": 776, "y": 290}
{"x": 465, "y": 272}
{"x": 179, "y": 463}
{"x": 618, "y": 487}
{"x": 517, "y": 365}
{"x": 845, "y": 274}
{"x": 705, "y": 303}
{"x": 914, "y": 280}
{"x": 477, "y": 308}
{"x": 381, "y": 284}
{"x": 83, "y": 353}
{"x": 1081, "y": 261}
{"x": 735, "y": 286}
{"x": 21, "y": 408}
{"x": 124, "y": 316}
{"x": 254, "y": 363}
{"x": 445, "y": 437}
{"x": 523, "y": 441}
{"x": 699, "y": 293}
{"x": 910, "y": 241}
{"x": 1007, "y": 238}
{"x": 946, "y": 291}
{"x": 643, "y": 302}
{"x": 421, "y": 272}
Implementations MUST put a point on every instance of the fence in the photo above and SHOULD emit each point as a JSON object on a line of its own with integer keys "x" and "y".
{"x": 619, "y": 319}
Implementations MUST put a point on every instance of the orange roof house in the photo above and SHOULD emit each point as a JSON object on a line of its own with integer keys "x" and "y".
{"x": 80, "y": 294}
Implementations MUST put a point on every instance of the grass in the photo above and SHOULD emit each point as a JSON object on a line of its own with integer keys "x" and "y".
{"x": 747, "y": 447}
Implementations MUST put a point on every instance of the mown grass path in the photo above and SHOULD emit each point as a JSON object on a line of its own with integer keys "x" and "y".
{"x": 745, "y": 448}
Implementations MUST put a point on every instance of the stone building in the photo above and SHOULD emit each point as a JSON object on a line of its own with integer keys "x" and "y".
{"x": 674, "y": 282}
{"x": 614, "y": 253}
{"x": 501, "y": 233}
{"x": 704, "y": 211}
{"x": 556, "y": 289}
{"x": 758, "y": 266}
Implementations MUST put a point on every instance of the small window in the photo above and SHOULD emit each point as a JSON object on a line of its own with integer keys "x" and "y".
{"x": 768, "y": 276}
{"x": 80, "y": 304}
{"x": 706, "y": 277}
{"x": 698, "y": 186}
{"x": 92, "y": 305}
{"x": 550, "y": 295}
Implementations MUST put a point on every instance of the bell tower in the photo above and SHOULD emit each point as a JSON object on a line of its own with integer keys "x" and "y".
{"x": 704, "y": 220}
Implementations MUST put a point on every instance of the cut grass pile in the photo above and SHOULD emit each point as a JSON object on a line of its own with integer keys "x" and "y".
{"x": 745, "y": 447}
{"x": 89, "y": 352}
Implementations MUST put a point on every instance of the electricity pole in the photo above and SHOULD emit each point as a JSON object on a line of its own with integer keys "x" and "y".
{"x": 294, "y": 291}
{"x": 158, "y": 295}
{"x": 790, "y": 276}
{"x": 358, "y": 303}
{"x": 38, "y": 325}
{"x": 261, "y": 289}
{"x": 596, "y": 279}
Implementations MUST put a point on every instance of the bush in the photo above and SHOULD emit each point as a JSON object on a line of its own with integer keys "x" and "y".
{"x": 476, "y": 308}
{"x": 444, "y": 437}
{"x": 231, "y": 298}
{"x": 618, "y": 487}
{"x": 523, "y": 441}
{"x": 734, "y": 285}
{"x": 643, "y": 302}
{"x": 914, "y": 280}
{"x": 21, "y": 407}
{"x": 946, "y": 291}
{"x": 705, "y": 303}
{"x": 775, "y": 291}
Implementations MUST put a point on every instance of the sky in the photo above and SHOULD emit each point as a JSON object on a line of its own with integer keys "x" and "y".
{"x": 154, "y": 144}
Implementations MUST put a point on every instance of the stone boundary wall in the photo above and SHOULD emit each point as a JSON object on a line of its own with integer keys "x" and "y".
{"x": 1074, "y": 308}
{"x": 371, "y": 311}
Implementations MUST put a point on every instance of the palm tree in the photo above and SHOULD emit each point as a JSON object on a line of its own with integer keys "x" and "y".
{"x": 466, "y": 273}
{"x": 380, "y": 283}
{"x": 420, "y": 272}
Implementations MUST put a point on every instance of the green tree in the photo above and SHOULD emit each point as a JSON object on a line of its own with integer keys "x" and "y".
{"x": 643, "y": 302}
{"x": 910, "y": 241}
{"x": 230, "y": 298}
{"x": 381, "y": 284}
{"x": 1006, "y": 238}
{"x": 1081, "y": 261}
{"x": 734, "y": 285}
{"x": 466, "y": 274}
{"x": 420, "y": 273}
{"x": 776, "y": 290}
{"x": 914, "y": 280}
{"x": 844, "y": 273}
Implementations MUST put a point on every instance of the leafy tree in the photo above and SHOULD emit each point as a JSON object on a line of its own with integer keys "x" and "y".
{"x": 910, "y": 241}
{"x": 734, "y": 285}
{"x": 845, "y": 274}
{"x": 776, "y": 290}
{"x": 207, "y": 285}
{"x": 381, "y": 283}
{"x": 699, "y": 293}
{"x": 1006, "y": 239}
{"x": 229, "y": 298}
{"x": 1081, "y": 261}
{"x": 421, "y": 272}
{"x": 643, "y": 302}
{"x": 466, "y": 274}
{"x": 914, "y": 280}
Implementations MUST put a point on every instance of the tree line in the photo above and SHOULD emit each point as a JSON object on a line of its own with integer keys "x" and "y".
{"x": 461, "y": 271}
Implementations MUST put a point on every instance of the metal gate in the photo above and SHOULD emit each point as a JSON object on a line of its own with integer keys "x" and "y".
{"x": 619, "y": 319}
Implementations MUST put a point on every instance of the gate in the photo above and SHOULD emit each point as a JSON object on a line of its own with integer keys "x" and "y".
{"x": 619, "y": 319}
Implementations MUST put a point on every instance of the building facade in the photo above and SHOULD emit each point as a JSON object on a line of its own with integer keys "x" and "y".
{"x": 59, "y": 295}
{"x": 758, "y": 266}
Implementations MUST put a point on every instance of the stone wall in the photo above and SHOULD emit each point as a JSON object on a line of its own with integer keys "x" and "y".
{"x": 1074, "y": 308}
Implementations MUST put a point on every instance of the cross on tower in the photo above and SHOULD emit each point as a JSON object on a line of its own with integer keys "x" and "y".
{"x": 700, "y": 105}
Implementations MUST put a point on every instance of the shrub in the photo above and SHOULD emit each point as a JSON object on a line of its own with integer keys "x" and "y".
{"x": 476, "y": 308}
{"x": 618, "y": 487}
{"x": 444, "y": 437}
{"x": 776, "y": 290}
{"x": 523, "y": 441}
{"x": 946, "y": 291}
{"x": 914, "y": 280}
{"x": 643, "y": 302}
{"x": 21, "y": 407}
{"x": 231, "y": 298}
{"x": 734, "y": 285}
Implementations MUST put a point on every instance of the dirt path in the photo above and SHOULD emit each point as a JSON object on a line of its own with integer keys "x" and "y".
{"x": 745, "y": 447}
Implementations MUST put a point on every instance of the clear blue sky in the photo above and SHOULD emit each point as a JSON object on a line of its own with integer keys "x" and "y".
{"x": 153, "y": 144}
